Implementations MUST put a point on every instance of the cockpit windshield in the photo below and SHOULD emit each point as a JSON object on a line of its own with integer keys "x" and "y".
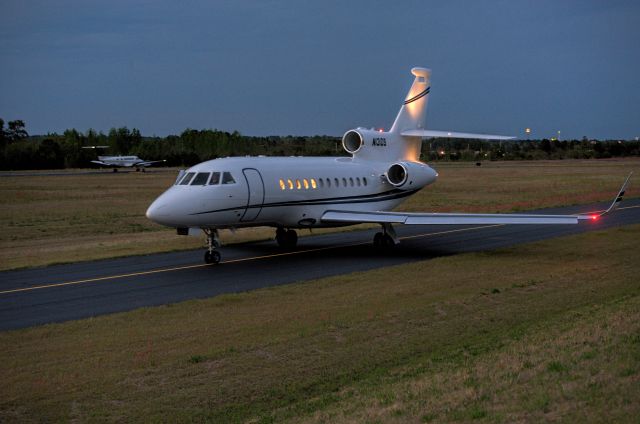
{"x": 204, "y": 178}
{"x": 215, "y": 178}
{"x": 201, "y": 178}
{"x": 227, "y": 178}
{"x": 187, "y": 178}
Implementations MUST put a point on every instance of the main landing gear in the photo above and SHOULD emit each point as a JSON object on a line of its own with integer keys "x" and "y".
{"x": 387, "y": 238}
{"x": 286, "y": 239}
{"x": 212, "y": 256}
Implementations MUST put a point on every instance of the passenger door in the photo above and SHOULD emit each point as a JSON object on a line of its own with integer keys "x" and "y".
{"x": 255, "y": 200}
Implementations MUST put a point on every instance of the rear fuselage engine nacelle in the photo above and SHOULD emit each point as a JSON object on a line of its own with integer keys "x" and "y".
{"x": 410, "y": 175}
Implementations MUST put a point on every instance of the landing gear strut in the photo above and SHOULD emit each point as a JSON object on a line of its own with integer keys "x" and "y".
{"x": 212, "y": 256}
{"x": 387, "y": 238}
{"x": 286, "y": 238}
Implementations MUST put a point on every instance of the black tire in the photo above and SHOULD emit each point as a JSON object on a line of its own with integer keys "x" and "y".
{"x": 387, "y": 241}
{"x": 212, "y": 257}
{"x": 281, "y": 237}
{"x": 378, "y": 240}
{"x": 292, "y": 239}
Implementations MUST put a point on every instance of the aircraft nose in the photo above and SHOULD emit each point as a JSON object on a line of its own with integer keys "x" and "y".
{"x": 156, "y": 212}
{"x": 152, "y": 212}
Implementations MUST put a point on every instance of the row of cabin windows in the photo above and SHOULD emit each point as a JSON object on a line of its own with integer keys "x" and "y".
{"x": 312, "y": 183}
{"x": 204, "y": 178}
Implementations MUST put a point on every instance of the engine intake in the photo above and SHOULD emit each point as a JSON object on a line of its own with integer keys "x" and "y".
{"x": 352, "y": 141}
{"x": 397, "y": 174}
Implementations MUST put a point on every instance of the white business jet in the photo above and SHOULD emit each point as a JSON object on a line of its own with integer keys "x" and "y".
{"x": 125, "y": 162}
{"x": 297, "y": 192}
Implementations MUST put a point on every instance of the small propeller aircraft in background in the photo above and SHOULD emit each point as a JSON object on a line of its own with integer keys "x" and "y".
{"x": 304, "y": 192}
{"x": 120, "y": 161}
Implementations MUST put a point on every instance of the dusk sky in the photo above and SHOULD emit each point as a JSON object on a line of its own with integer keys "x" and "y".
{"x": 306, "y": 68}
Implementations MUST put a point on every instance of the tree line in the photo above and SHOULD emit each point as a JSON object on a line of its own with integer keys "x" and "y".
{"x": 18, "y": 150}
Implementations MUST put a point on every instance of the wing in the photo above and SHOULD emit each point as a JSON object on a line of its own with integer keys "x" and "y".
{"x": 149, "y": 162}
{"x": 381, "y": 217}
{"x": 449, "y": 218}
{"x": 451, "y": 134}
{"x": 99, "y": 162}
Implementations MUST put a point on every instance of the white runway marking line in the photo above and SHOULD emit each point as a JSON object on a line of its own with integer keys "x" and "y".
{"x": 298, "y": 252}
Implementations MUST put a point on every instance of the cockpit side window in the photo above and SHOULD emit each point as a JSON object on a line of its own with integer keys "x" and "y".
{"x": 187, "y": 178}
{"x": 215, "y": 178}
{"x": 227, "y": 178}
{"x": 201, "y": 178}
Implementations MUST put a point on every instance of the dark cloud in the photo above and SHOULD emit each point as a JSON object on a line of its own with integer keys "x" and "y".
{"x": 275, "y": 67}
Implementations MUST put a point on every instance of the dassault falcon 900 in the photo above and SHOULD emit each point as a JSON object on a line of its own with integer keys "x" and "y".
{"x": 289, "y": 193}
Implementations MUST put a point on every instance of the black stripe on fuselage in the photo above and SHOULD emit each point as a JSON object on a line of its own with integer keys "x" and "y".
{"x": 366, "y": 198}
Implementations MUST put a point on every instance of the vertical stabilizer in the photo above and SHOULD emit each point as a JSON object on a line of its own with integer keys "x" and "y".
{"x": 413, "y": 111}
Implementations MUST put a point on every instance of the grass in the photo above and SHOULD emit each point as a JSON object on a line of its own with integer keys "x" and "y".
{"x": 538, "y": 332}
{"x": 46, "y": 219}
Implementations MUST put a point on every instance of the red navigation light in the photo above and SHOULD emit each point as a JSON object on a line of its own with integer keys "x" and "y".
{"x": 595, "y": 217}
{"x": 380, "y": 129}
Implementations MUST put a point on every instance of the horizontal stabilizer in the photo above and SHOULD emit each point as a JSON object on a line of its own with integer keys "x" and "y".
{"x": 451, "y": 134}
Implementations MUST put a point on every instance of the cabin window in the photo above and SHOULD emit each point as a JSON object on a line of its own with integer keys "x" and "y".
{"x": 358, "y": 181}
{"x": 337, "y": 181}
{"x": 187, "y": 178}
{"x": 201, "y": 178}
{"x": 290, "y": 184}
{"x": 298, "y": 185}
{"x": 227, "y": 178}
{"x": 344, "y": 182}
{"x": 329, "y": 182}
{"x": 282, "y": 186}
{"x": 364, "y": 181}
{"x": 215, "y": 178}
{"x": 306, "y": 184}
{"x": 313, "y": 183}
{"x": 351, "y": 182}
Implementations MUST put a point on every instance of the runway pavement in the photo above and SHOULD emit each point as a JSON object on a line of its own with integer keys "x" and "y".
{"x": 80, "y": 290}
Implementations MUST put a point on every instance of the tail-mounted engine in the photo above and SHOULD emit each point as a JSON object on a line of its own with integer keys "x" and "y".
{"x": 408, "y": 175}
{"x": 352, "y": 141}
{"x": 368, "y": 143}
{"x": 397, "y": 175}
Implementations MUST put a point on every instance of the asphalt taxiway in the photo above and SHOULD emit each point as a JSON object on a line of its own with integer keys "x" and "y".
{"x": 66, "y": 292}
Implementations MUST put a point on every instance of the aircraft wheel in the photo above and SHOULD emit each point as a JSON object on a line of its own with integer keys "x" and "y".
{"x": 378, "y": 240}
{"x": 212, "y": 257}
{"x": 286, "y": 239}
{"x": 292, "y": 238}
{"x": 281, "y": 237}
{"x": 383, "y": 241}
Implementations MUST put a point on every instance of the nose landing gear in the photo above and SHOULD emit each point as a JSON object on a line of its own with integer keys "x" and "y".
{"x": 212, "y": 256}
{"x": 286, "y": 239}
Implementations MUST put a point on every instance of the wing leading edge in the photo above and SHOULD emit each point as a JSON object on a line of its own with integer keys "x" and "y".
{"x": 381, "y": 217}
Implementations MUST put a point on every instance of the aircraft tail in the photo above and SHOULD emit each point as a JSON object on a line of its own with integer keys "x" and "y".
{"x": 413, "y": 111}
